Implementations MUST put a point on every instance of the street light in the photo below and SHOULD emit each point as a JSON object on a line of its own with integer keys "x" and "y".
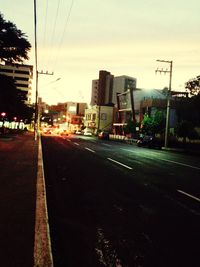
{"x": 168, "y": 96}
{"x": 3, "y": 114}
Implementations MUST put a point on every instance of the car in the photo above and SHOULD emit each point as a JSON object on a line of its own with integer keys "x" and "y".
{"x": 78, "y": 132}
{"x": 87, "y": 133}
{"x": 47, "y": 131}
{"x": 149, "y": 141}
{"x": 103, "y": 135}
{"x": 64, "y": 132}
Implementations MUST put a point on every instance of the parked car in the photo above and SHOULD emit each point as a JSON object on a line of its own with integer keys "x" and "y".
{"x": 149, "y": 141}
{"x": 103, "y": 135}
{"x": 88, "y": 133}
{"x": 47, "y": 131}
{"x": 78, "y": 132}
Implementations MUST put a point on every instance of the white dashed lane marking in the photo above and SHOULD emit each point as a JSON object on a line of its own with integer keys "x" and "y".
{"x": 126, "y": 166}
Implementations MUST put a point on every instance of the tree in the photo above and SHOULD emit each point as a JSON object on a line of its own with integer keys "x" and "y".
{"x": 188, "y": 109}
{"x": 14, "y": 46}
{"x": 153, "y": 125}
{"x": 130, "y": 127}
{"x": 11, "y": 102}
{"x": 193, "y": 85}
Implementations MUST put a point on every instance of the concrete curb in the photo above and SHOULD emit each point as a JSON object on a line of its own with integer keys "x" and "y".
{"x": 42, "y": 244}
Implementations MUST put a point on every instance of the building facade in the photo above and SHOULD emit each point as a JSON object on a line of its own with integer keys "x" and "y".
{"x": 23, "y": 77}
{"x": 99, "y": 118}
{"x": 122, "y": 84}
{"x": 66, "y": 116}
{"x": 102, "y": 89}
{"x": 105, "y": 89}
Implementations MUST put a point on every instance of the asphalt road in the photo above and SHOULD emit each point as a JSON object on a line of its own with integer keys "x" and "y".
{"x": 114, "y": 204}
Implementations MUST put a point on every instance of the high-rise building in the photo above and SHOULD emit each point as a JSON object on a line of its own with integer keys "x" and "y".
{"x": 105, "y": 89}
{"x": 102, "y": 88}
{"x": 23, "y": 76}
{"x": 121, "y": 84}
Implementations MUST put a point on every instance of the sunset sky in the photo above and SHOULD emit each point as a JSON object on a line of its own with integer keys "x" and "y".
{"x": 78, "y": 38}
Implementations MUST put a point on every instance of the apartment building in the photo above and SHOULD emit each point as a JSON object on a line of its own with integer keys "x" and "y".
{"x": 122, "y": 84}
{"x": 102, "y": 88}
{"x": 23, "y": 76}
{"x": 105, "y": 89}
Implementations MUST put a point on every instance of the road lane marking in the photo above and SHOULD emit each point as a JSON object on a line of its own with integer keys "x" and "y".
{"x": 171, "y": 161}
{"x": 68, "y": 140}
{"x": 76, "y": 144}
{"x": 183, "y": 164}
{"x": 191, "y": 196}
{"x": 90, "y": 150}
{"x": 126, "y": 166}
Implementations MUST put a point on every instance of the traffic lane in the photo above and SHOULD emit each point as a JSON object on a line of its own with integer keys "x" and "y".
{"x": 177, "y": 183}
{"x": 167, "y": 173}
{"x": 173, "y": 175}
{"x": 95, "y": 203}
{"x": 171, "y": 157}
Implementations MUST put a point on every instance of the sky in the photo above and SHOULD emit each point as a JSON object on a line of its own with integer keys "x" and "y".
{"x": 77, "y": 38}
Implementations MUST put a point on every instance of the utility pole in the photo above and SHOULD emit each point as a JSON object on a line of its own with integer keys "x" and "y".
{"x": 37, "y": 113}
{"x": 168, "y": 96}
{"x": 36, "y": 121}
{"x": 36, "y": 90}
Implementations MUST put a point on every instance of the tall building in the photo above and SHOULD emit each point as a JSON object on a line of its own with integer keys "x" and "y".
{"x": 23, "y": 76}
{"x": 94, "y": 95}
{"x": 121, "y": 84}
{"x": 105, "y": 89}
{"x": 102, "y": 88}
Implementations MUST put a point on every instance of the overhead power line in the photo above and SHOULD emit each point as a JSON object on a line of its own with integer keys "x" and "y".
{"x": 64, "y": 31}
{"x": 45, "y": 24}
{"x": 53, "y": 32}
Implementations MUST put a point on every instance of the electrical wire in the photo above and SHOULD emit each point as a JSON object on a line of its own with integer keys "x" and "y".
{"x": 45, "y": 23}
{"x": 53, "y": 32}
{"x": 64, "y": 31}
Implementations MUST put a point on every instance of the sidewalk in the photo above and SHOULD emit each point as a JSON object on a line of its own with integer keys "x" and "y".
{"x": 19, "y": 201}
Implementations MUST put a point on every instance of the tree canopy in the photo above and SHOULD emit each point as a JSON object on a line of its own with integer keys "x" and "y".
{"x": 11, "y": 102}
{"x": 193, "y": 85}
{"x": 14, "y": 46}
{"x": 188, "y": 109}
{"x": 155, "y": 124}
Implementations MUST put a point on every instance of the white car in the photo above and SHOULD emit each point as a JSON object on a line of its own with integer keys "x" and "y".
{"x": 87, "y": 133}
{"x": 78, "y": 132}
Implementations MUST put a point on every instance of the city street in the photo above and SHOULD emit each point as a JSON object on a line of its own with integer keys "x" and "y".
{"x": 115, "y": 204}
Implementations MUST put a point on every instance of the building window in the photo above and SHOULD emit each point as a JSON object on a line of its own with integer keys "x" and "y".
{"x": 21, "y": 79}
{"x": 22, "y": 72}
{"x": 94, "y": 116}
{"x": 103, "y": 116}
{"x": 22, "y": 85}
{"x": 6, "y": 70}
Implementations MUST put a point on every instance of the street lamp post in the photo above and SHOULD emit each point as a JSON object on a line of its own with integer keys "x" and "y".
{"x": 168, "y": 97}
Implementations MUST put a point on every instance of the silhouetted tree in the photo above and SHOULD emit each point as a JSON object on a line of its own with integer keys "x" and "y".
{"x": 11, "y": 102}
{"x": 188, "y": 109}
{"x": 14, "y": 46}
{"x": 193, "y": 85}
